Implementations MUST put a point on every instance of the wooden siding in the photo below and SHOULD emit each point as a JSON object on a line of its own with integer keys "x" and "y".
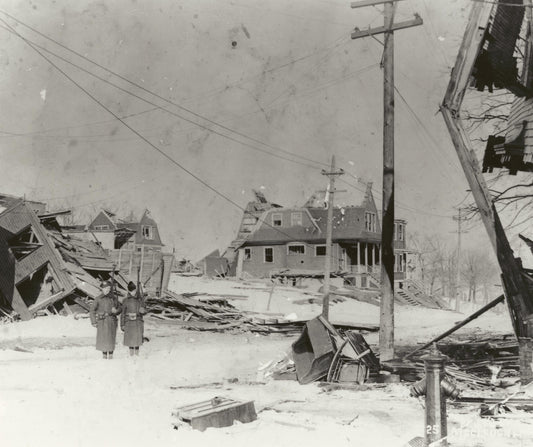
{"x": 521, "y": 113}
{"x": 102, "y": 219}
{"x": 147, "y": 220}
{"x": 31, "y": 263}
{"x": 257, "y": 267}
{"x": 504, "y": 33}
{"x": 22, "y": 217}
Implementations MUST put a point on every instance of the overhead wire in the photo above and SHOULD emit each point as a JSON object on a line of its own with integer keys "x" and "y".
{"x": 39, "y": 132}
{"x": 168, "y": 101}
{"x": 209, "y": 94}
{"x": 341, "y": 40}
{"x": 148, "y": 142}
{"x": 177, "y": 105}
{"x": 176, "y": 114}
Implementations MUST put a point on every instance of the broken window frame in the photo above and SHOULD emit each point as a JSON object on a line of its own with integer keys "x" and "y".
{"x": 149, "y": 233}
{"x": 249, "y": 220}
{"x": 296, "y": 219}
{"x": 277, "y": 217}
{"x": 34, "y": 239}
{"x": 266, "y": 257}
{"x": 295, "y": 246}
{"x": 247, "y": 254}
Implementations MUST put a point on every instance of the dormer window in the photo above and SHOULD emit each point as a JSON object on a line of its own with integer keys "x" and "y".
{"x": 277, "y": 219}
{"x": 370, "y": 222}
{"x": 148, "y": 232}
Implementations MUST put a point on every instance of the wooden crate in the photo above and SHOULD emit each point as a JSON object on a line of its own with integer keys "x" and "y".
{"x": 216, "y": 412}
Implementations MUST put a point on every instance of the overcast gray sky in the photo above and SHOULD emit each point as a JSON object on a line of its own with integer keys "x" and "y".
{"x": 283, "y": 73}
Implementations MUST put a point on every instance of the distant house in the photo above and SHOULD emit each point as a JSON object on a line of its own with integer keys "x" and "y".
{"x": 114, "y": 234}
{"x": 293, "y": 240}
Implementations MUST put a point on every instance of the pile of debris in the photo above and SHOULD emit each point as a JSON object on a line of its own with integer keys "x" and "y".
{"x": 476, "y": 364}
{"x": 44, "y": 270}
{"x": 214, "y": 313}
{"x": 322, "y": 352}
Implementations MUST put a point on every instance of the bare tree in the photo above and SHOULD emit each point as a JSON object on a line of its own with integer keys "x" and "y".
{"x": 435, "y": 263}
{"x": 478, "y": 270}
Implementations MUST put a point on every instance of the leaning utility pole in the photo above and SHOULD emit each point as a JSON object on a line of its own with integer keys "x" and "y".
{"x": 386, "y": 321}
{"x": 460, "y": 219}
{"x": 332, "y": 174}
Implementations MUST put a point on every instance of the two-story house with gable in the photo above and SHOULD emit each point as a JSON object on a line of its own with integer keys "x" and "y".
{"x": 294, "y": 240}
{"x": 116, "y": 234}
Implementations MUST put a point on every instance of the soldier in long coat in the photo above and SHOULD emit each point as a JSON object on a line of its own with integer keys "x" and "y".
{"x": 131, "y": 320}
{"x": 103, "y": 312}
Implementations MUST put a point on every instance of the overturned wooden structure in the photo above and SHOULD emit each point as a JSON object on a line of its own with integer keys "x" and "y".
{"x": 487, "y": 54}
{"x": 41, "y": 266}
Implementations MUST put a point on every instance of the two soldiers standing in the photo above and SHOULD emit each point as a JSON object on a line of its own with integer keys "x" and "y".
{"x": 104, "y": 313}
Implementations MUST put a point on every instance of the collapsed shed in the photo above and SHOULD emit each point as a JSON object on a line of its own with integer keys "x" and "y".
{"x": 41, "y": 266}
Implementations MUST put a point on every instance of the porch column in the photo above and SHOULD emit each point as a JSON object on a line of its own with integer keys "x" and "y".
{"x": 366, "y": 256}
{"x": 373, "y": 253}
{"x": 357, "y": 255}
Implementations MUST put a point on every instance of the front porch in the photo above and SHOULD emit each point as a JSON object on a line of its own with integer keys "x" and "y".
{"x": 362, "y": 262}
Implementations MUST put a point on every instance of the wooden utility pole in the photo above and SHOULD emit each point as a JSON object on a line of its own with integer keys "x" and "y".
{"x": 460, "y": 219}
{"x": 332, "y": 174}
{"x": 386, "y": 322}
{"x": 386, "y": 314}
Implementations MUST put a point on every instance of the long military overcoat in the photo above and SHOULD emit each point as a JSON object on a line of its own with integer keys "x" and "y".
{"x": 131, "y": 321}
{"x": 106, "y": 321}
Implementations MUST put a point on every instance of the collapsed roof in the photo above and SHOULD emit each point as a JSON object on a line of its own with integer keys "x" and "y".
{"x": 41, "y": 265}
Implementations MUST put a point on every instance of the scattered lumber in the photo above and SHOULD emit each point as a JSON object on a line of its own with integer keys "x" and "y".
{"x": 212, "y": 314}
{"x": 477, "y": 364}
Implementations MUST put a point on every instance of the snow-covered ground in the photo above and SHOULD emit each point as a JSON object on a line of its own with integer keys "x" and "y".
{"x": 57, "y": 391}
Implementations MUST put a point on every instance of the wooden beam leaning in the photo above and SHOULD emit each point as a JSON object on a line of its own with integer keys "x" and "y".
{"x": 515, "y": 288}
{"x": 364, "y": 3}
{"x": 458, "y": 326}
{"x": 470, "y": 47}
{"x": 459, "y": 81}
{"x": 357, "y": 33}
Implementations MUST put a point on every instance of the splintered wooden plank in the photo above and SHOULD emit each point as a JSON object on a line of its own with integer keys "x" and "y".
{"x": 217, "y": 412}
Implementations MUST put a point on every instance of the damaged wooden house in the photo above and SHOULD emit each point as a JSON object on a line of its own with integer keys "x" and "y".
{"x": 225, "y": 264}
{"x": 497, "y": 67}
{"x": 290, "y": 244}
{"x": 134, "y": 245}
{"x": 496, "y": 52}
{"x": 42, "y": 267}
